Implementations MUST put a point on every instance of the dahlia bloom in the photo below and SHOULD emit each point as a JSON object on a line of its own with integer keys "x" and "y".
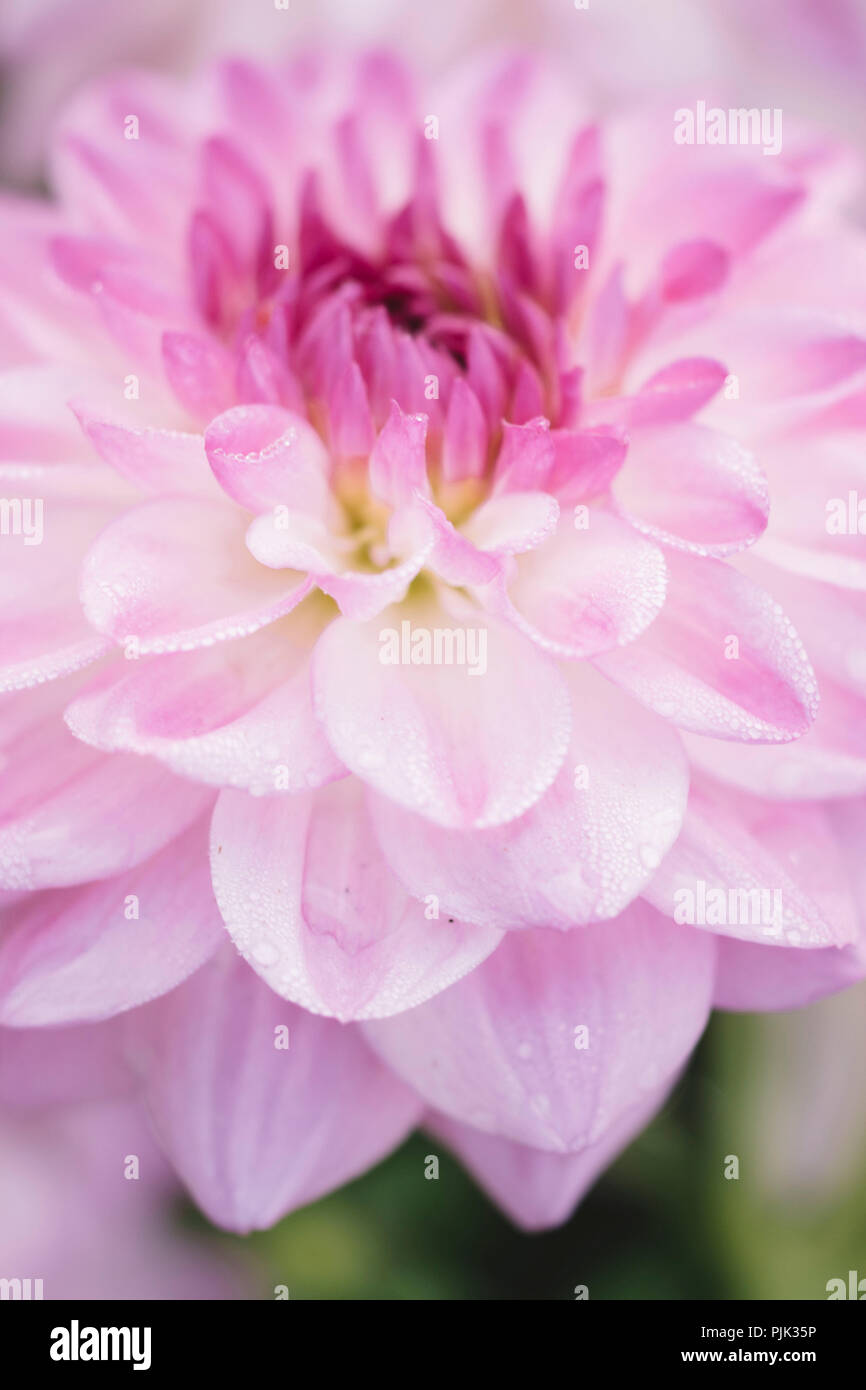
{"x": 422, "y": 582}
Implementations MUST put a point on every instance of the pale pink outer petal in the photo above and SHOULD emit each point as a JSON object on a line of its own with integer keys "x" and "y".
{"x": 253, "y": 1128}
{"x": 536, "y": 1188}
{"x": 157, "y": 460}
{"x": 56, "y": 1066}
{"x": 236, "y": 714}
{"x": 817, "y": 480}
{"x": 69, "y": 814}
{"x": 721, "y": 659}
{"x": 174, "y": 573}
{"x": 499, "y": 1050}
{"x": 734, "y": 842}
{"x": 308, "y": 900}
{"x": 693, "y": 488}
{"x": 43, "y": 632}
{"x": 461, "y": 749}
{"x": 582, "y": 852}
{"x": 71, "y": 1212}
{"x": 675, "y": 392}
{"x": 765, "y": 978}
{"x": 830, "y": 759}
{"x": 79, "y": 956}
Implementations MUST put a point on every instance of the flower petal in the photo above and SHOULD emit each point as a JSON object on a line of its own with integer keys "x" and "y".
{"x": 538, "y": 1189}
{"x": 773, "y": 871}
{"x": 397, "y": 463}
{"x": 693, "y": 488}
{"x": 55, "y": 1066}
{"x": 462, "y": 750}
{"x": 238, "y": 715}
{"x": 43, "y": 632}
{"x": 531, "y": 1046}
{"x": 769, "y": 978}
{"x": 264, "y": 456}
{"x": 721, "y": 659}
{"x": 123, "y": 808}
{"x": 79, "y": 956}
{"x": 308, "y": 900}
{"x": 583, "y": 851}
{"x": 174, "y": 573}
{"x": 586, "y": 590}
{"x": 254, "y": 1126}
{"x": 158, "y": 460}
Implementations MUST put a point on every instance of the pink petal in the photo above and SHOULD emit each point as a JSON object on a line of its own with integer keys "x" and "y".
{"x": 454, "y": 557}
{"x": 175, "y": 573}
{"x": 308, "y": 900}
{"x": 485, "y": 377}
{"x": 200, "y": 373}
{"x": 693, "y": 488}
{"x": 461, "y": 750}
{"x": 43, "y": 632}
{"x": 769, "y": 979}
{"x": 53, "y": 1066}
{"x": 693, "y": 269}
{"x": 817, "y": 479}
{"x": 538, "y": 1189}
{"x": 255, "y": 1129}
{"x": 230, "y": 715}
{"x": 585, "y": 462}
{"x": 236, "y": 197}
{"x": 513, "y": 522}
{"x": 123, "y": 809}
{"x": 350, "y": 421}
{"x": 264, "y": 456}
{"x": 500, "y": 1050}
{"x": 303, "y": 543}
{"x": 830, "y": 759}
{"x": 721, "y": 659}
{"x": 76, "y": 956}
{"x": 464, "y": 450}
{"x": 675, "y": 392}
{"x": 397, "y": 463}
{"x": 583, "y": 851}
{"x": 158, "y": 460}
{"x": 759, "y": 978}
{"x": 608, "y": 329}
{"x": 738, "y": 844}
{"x": 526, "y": 458}
{"x": 586, "y": 590}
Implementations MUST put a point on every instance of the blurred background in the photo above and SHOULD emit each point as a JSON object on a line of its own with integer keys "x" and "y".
{"x": 784, "y": 1094}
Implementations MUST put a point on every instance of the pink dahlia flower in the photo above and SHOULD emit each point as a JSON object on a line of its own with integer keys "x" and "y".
{"x": 396, "y": 627}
